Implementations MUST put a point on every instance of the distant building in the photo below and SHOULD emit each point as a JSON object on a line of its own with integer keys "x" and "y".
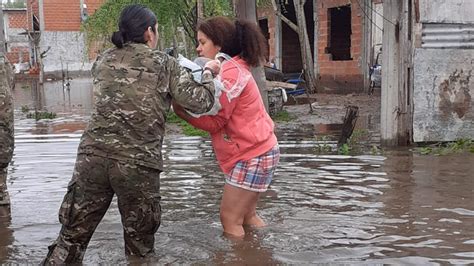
{"x": 349, "y": 38}
{"x": 59, "y": 23}
{"x": 18, "y": 48}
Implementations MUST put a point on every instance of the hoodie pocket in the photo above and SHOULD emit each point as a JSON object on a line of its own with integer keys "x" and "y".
{"x": 224, "y": 147}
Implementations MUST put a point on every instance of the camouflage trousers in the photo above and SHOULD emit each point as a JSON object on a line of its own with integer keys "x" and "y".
{"x": 94, "y": 182}
{"x": 4, "y": 198}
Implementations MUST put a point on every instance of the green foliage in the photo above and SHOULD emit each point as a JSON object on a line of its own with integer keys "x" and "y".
{"x": 218, "y": 8}
{"x": 375, "y": 150}
{"x": 170, "y": 15}
{"x": 323, "y": 144}
{"x": 358, "y": 136}
{"x": 282, "y": 116}
{"x": 188, "y": 129}
{"x": 15, "y": 4}
{"x": 25, "y": 109}
{"x": 344, "y": 149}
{"x": 440, "y": 149}
{"x": 41, "y": 115}
{"x": 264, "y": 3}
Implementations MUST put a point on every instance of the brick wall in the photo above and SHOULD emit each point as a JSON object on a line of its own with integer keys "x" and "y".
{"x": 267, "y": 13}
{"x": 32, "y": 9}
{"x": 345, "y": 75}
{"x": 340, "y": 74}
{"x": 17, "y": 43}
{"x": 93, "y": 5}
{"x": 62, "y": 15}
{"x": 17, "y": 19}
{"x": 15, "y": 53}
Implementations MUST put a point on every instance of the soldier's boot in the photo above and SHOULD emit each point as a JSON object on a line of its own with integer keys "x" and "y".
{"x": 4, "y": 197}
{"x": 63, "y": 254}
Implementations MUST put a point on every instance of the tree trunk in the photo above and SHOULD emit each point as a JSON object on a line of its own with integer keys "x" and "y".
{"x": 305, "y": 47}
{"x": 301, "y": 30}
{"x": 200, "y": 9}
{"x": 247, "y": 9}
{"x": 316, "y": 41}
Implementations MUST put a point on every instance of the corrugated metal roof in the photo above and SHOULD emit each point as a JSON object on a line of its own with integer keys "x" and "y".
{"x": 445, "y": 35}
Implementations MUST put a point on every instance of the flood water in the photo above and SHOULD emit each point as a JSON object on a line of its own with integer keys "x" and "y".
{"x": 399, "y": 207}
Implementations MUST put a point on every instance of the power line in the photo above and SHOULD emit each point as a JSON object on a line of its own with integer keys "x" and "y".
{"x": 375, "y": 11}
{"x": 365, "y": 14}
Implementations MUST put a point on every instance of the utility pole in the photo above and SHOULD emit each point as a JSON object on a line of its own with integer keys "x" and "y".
{"x": 2, "y": 32}
{"x": 397, "y": 86}
{"x": 247, "y": 9}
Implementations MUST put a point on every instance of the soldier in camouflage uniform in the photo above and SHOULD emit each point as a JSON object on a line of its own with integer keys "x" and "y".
{"x": 6, "y": 126}
{"x": 120, "y": 150}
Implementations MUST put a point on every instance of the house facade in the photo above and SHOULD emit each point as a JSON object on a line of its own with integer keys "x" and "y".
{"x": 18, "y": 49}
{"x": 443, "y": 66}
{"x": 58, "y": 24}
{"x": 348, "y": 37}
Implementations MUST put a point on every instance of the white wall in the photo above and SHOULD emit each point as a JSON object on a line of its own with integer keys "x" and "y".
{"x": 444, "y": 95}
{"x": 68, "y": 50}
{"x": 447, "y": 11}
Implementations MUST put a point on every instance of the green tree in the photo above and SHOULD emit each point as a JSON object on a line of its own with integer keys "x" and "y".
{"x": 170, "y": 15}
{"x": 15, "y": 4}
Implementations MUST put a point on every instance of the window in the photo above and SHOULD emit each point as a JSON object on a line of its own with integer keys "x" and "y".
{"x": 339, "y": 33}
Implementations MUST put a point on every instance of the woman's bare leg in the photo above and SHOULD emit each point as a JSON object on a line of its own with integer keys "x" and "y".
{"x": 236, "y": 205}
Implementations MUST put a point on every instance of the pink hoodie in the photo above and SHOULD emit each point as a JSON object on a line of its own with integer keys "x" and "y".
{"x": 242, "y": 129}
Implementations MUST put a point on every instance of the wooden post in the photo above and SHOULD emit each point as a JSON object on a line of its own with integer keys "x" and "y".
{"x": 350, "y": 119}
{"x": 396, "y": 114}
{"x": 247, "y": 9}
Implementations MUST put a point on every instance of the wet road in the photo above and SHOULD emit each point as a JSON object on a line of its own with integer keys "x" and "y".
{"x": 322, "y": 208}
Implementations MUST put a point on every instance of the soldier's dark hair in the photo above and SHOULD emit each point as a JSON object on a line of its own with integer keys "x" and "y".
{"x": 134, "y": 21}
{"x": 239, "y": 37}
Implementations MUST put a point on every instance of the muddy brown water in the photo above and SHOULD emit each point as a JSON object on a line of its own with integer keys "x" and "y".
{"x": 399, "y": 207}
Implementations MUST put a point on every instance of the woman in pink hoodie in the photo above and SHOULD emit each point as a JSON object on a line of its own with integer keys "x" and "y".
{"x": 242, "y": 132}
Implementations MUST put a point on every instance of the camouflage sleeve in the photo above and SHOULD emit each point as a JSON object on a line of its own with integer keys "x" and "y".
{"x": 193, "y": 96}
{"x": 6, "y": 116}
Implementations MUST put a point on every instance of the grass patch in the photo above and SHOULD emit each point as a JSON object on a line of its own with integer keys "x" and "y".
{"x": 282, "y": 116}
{"x": 25, "y": 109}
{"x": 446, "y": 148}
{"x": 188, "y": 129}
{"x": 41, "y": 115}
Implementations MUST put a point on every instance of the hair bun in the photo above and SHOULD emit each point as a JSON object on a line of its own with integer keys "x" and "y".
{"x": 117, "y": 39}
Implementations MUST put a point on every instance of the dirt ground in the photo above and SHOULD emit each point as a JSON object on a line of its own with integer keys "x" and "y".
{"x": 331, "y": 108}
{"x": 328, "y": 109}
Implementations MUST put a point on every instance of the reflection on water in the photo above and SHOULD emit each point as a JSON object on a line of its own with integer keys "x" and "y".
{"x": 397, "y": 208}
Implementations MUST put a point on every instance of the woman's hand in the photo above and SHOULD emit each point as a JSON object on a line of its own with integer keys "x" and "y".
{"x": 214, "y": 66}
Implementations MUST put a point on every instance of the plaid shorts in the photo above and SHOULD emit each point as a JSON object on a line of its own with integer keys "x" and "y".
{"x": 256, "y": 173}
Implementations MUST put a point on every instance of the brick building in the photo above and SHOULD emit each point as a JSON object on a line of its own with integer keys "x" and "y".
{"x": 59, "y": 22}
{"x": 18, "y": 50}
{"x": 346, "y": 40}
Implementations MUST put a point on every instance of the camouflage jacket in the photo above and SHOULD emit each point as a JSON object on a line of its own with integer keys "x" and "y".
{"x": 6, "y": 112}
{"x": 133, "y": 89}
